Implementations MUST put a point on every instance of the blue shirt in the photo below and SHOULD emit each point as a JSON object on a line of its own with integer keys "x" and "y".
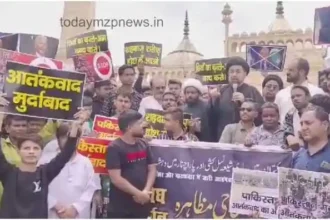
{"x": 319, "y": 162}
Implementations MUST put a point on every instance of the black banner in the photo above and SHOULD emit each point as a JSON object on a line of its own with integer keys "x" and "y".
{"x": 155, "y": 118}
{"x": 212, "y": 71}
{"x": 42, "y": 92}
{"x": 91, "y": 42}
{"x": 194, "y": 178}
{"x": 38, "y": 45}
{"x": 322, "y": 26}
{"x": 9, "y": 41}
{"x": 139, "y": 52}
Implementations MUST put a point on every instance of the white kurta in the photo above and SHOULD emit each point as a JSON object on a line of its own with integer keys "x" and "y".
{"x": 149, "y": 103}
{"x": 75, "y": 185}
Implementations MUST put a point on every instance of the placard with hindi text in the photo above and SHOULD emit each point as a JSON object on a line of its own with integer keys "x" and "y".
{"x": 95, "y": 150}
{"x": 254, "y": 191}
{"x": 91, "y": 42}
{"x": 139, "y": 52}
{"x": 155, "y": 119}
{"x": 106, "y": 127}
{"x": 212, "y": 71}
{"x": 41, "y": 92}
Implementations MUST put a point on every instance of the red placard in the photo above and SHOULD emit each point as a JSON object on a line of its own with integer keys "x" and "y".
{"x": 106, "y": 128}
{"x": 9, "y": 55}
{"x": 95, "y": 150}
{"x": 96, "y": 66}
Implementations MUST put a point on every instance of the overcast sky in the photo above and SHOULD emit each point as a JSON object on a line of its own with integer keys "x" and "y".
{"x": 206, "y": 28}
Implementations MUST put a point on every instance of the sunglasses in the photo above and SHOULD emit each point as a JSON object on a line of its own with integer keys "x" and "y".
{"x": 246, "y": 109}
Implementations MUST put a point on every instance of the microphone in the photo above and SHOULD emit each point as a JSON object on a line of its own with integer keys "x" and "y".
{"x": 235, "y": 85}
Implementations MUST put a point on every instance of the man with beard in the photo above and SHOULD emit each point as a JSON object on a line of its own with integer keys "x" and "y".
{"x": 199, "y": 109}
{"x": 227, "y": 103}
{"x": 158, "y": 86}
{"x": 300, "y": 98}
{"x": 236, "y": 133}
{"x": 315, "y": 155}
{"x": 132, "y": 170}
{"x": 169, "y": 100}
{"x": 297, "y": 72}
{"x": 173, "y": 118}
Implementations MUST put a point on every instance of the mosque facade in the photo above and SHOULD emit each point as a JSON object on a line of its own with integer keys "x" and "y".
{"x": 179, "y": 63}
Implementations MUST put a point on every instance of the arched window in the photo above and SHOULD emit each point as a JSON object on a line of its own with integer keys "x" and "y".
{"x": 290, "y": 45}
{"x": 308, "y": 44}
{"x": 299, "y": 44}
{"x": 243, "y": 47}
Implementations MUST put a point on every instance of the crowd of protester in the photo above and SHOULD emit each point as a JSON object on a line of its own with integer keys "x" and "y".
{"x": 43, "y": 177}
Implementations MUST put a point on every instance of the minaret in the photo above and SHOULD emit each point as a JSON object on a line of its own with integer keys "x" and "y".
{"x": 74, "y": 10}
{"x": 226, "y": 19}
{"x": 186, "y": 27}
{"x": 279, "y": 10}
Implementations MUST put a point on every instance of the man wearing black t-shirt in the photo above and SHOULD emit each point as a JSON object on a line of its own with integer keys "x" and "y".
{"x": 26, "y": 186}
{"x": 132, "y": 170}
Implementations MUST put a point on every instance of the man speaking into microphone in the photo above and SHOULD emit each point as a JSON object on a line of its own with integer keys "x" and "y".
{"x": 226, "y": 103}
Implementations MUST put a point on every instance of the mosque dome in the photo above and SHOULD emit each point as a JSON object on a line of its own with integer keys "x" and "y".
{"x": 280, "y": 24}
{"x": 185, "y": 53}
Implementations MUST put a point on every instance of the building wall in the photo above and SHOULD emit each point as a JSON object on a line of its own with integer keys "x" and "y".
{"x": 299, "y": 44}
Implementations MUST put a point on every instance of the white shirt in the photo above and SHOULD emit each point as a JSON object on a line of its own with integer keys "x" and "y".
{"x": 149, "y": 103}
{"x": 74, "y": 185}
{"x": 283, "y": 98}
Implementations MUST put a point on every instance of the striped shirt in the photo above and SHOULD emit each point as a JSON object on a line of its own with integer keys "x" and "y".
{"x": 183, "y": 137}
{"x": 108, "y": 108}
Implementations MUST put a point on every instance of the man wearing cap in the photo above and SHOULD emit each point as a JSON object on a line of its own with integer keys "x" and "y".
{"x": 226, "y": 104}
{"x": 199, "y": 109}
